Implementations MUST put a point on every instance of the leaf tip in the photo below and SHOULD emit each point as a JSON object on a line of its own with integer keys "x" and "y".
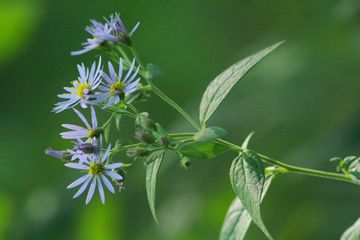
{"x": 247, "y": 140}
{"x": 155, "y": 219}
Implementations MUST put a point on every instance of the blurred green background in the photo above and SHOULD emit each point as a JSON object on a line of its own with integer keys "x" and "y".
{"x": 302, "y": 101}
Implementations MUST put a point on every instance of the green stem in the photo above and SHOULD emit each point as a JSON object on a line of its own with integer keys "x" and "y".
{"x": 181, "y": 135}
{"x": 133, "y": 108}
{"x": 293, "y": 169}
{"x": 142, "y": 65}
{"x": 108, "y": 121}
{"x": 286, "y": 168}
{"x": 122, "y": 52}
{"x": 124, "y": 113}
{"x": 123, "y": 148}
{"x": 175, "y": 106}
{"x": 162, "y": 95}
{"x": 307, "y": 171}
{"x": 136, "y": 55}
{"x": 144, "y": 88}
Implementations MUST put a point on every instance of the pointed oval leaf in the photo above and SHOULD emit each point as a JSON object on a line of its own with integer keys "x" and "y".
{"x": 222, "y": 84}
{"x": 117, "y": 121}
{"x": 353, "y": 232}
{"x": 247, "y": 140}
{"x": 237, "y": 219}
{"x": 151, "y": 174}
{"x": 209, "y": 134}
{"x": 247, "y": 178}
{"x": 107, "y": 132}
{"x": 202, "y": 150}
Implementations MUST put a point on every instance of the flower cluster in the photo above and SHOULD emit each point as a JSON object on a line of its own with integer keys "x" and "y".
{"x": 96, "y": 87}
{"x": 87, "y": 151}
{"x": 90, "y": 89}
{"x": 116, "y": 90}
{"x": 112, "y": 31}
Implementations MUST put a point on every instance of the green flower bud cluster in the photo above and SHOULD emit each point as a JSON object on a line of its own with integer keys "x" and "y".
{"x": 151, "y": 135}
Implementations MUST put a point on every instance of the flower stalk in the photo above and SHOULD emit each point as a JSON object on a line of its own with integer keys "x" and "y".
{"x": 285, "y": 168}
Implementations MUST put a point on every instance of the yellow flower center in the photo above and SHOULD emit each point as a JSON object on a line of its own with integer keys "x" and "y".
{"x": 117, "y": 87}
{"x": 91, "y": 133}
{"x": 80, "y": 89}
{"x": 95, "y": 168}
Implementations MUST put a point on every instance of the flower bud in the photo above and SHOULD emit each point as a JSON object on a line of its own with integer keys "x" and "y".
{"x": 137, "y": 152}
{"x": 185, "y": 162}
{"x": 125, "y": 39}
{"x": 147, "y": 123}
{"x": 144, "y": 137}
{"x": 164, "y": 141}
{"x": 143, "y": 97}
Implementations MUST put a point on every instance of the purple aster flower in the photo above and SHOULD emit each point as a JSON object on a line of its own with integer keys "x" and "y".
{"x": 100, "y": 33}
{"x": 97, "y": 174}
{"x": 116, "y": 85}
{"x": 120, "y": 30}
{"x": 78, "y": 132}
{"x": 82, "y": 89}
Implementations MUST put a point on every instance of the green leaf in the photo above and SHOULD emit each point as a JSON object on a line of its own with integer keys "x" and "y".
{"x": 117, "y": 121}
{"x": 152, "y": 168}
{"x": 247, "y": 140}
{"x": 119, "y": 110}
{"x": 202, "y": 150}
{"x": 222, "y": 84}
{"x": 237, "y": 219}
{"x": 107, "y": 132}
{"x": 153, "y": 156}
{"x": 247, "y": 178}
{"x": 209, "y": 134}
{"x": 153, "y": 71}
{"x": 353, "y": 232}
